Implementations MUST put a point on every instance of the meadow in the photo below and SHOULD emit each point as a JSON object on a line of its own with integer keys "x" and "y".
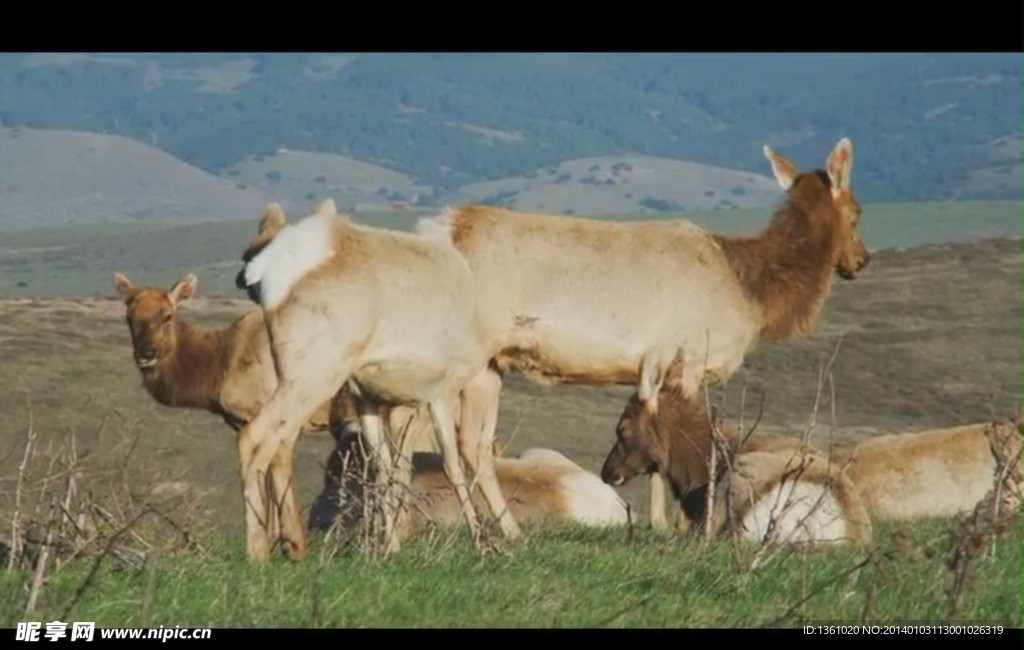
{"x": 928, "y": 336}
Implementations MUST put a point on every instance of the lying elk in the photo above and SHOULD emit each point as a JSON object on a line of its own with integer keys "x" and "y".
{"x": 393, "y": 314}
{"x": 227, "y": 371}
{"x": 937, "y": 473}
{"x": 540, "y": 486}
{"x": 664, "y": 429}
{"x": 577, "y": 300}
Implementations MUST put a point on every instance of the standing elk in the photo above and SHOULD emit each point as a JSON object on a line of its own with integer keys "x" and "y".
{"x": 393, "y": 314}
{"x": 229, "y": 372}
{"x": 582, "y": 301}
{"x": 767, "y": 485}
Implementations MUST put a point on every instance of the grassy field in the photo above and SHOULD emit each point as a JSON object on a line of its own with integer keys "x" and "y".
{"x": 928, "y": 336}
{"x": 563, "y": 577}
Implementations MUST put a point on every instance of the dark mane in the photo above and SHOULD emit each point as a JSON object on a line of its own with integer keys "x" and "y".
{"x": 787, "y": 268}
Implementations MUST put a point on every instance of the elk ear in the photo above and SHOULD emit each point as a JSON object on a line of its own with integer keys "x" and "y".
{"x": 785, "y": 171}
{"x": 838, "y": 165}
{"x": 674, "y": 372}
{"x": 273, "y": 220}
{"x": 183, "y": 289}
{"x": 327, "y": 206}
{"x": 123, "y": 286}
{"x": 651, "y": 377}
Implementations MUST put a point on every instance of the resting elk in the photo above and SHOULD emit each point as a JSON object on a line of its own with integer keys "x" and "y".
{"x": 766, "y": 478}
{"x": 577, "y": 300}
{"x": 540, "y": 486}
{"x": 395, "y": 315}
{"x": 938, "y": 472}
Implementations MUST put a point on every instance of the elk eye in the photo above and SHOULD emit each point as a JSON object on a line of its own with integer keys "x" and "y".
{"x": 167, "y": 317}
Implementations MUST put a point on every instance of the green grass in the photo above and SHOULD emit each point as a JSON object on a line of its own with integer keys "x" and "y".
{"x": 561, "y": 577}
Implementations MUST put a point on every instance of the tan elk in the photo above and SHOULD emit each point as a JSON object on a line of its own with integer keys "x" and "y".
{"x": 395, "y": 315}
{"x": 229, "y": 371}
{"x": 575, "y": 300}
{"x": 540, "y": 486}
{"x": 938, "y": 472}
{"x": 764, "y": 479}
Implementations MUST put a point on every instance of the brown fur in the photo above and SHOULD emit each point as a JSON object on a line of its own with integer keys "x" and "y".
{"x": 787, "y": 269}
{"x": 675, "y": 439}
{"x": 226, "y": 371}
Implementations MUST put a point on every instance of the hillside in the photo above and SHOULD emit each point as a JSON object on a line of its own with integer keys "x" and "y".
{"x": 925, "y": 126}
{"x": 628, "y": 184}
{"x": 296, "y": 179}
{"x": 59, "y": 178}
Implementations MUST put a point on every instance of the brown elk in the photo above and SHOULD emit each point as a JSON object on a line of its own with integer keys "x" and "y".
{"x": 665, "y": 430}
{"x": 392, "y": 314}
{"x": 578, "y": 300}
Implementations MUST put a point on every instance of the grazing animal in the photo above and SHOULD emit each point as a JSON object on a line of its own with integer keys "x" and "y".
{"x": 578, "y": 300}
{"x": 541, "y": 485}
{"x": 395, "y": 315}
{"x": 936, "y": 473}
{"x": 665, "y": 430}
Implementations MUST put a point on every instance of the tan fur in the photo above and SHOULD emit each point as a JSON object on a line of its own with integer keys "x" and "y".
{"x": 391, "y": 313}
{"x": 826, "y": 509}
{"x": 227, "y": 371}
{"x": 532, "y": 485}
{"x": 935, "y": 473}
{"x": 580, "y": 300}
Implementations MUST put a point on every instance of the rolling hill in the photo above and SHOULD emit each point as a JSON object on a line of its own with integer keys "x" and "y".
{"x": 925, "y": 126}
{"x": 58, "y": 177}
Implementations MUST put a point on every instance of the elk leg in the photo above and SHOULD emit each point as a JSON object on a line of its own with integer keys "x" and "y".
{"x": 444, "y": 429}
{"x": 656, "y": 497}
{"x": 383, "y": 471}
{"x": 479, "y": 421}
{"x": 256, "y": 539}
{"x": 292, "y": 404}
{"x": 291, "y": 532}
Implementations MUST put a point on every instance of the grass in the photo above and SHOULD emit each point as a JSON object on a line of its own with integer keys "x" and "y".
{"x": 561, "y": 577}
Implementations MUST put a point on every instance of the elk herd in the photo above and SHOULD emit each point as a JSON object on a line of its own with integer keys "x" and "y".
{"x": 398, "y": 343}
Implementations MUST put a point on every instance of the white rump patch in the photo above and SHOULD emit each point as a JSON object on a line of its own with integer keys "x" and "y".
{"x": 592, "y": 502}
{"x": 802, "y": 514}
{"x": 437, "y": 227}
{"x": 297, "y": 249}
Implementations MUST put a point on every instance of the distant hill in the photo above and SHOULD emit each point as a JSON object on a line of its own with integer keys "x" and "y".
{"x": 630, "y": 184}
{"x": 57, "y": 178}
{"x": 925, "y": 126}
{"x": 296, "y": 179}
